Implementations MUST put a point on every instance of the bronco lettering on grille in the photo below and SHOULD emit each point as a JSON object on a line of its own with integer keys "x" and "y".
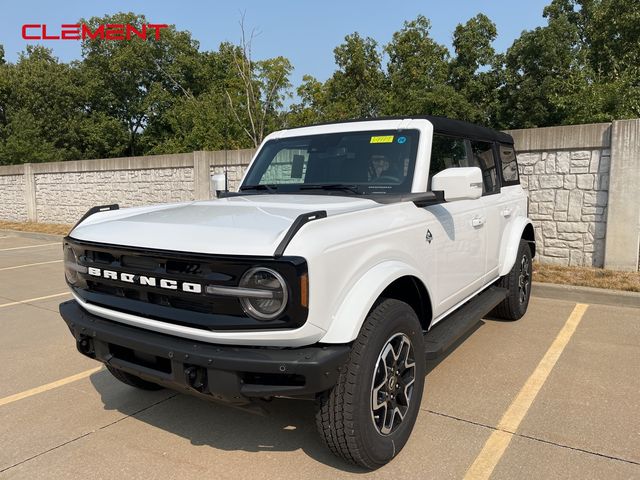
{"x": 165, "y": 283}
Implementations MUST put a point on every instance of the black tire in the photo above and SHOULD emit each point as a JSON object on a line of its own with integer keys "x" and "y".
{"x": 132, "y": 380}
{"x": 345, "y": 415}
{"x": 518, "y": 284}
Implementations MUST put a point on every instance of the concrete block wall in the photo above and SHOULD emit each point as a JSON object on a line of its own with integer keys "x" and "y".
{"x": 61, "y": 192}
{"x": 568, "y": 197}
{"x": 582, "y": 182}
{"x": 64, "y": 197}
{"x": 13, "y": 206}
{"x": 583, "y": 195}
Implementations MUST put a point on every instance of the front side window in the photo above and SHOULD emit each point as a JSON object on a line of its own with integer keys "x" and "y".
{"x": 447, "y": 152}
{"x": 369, "y": 162}
{"x": 455, "y": 152}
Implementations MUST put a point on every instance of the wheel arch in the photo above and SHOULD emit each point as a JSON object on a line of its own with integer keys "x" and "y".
{"x": 392, "y": 279}
{"x": 520, "y": 229}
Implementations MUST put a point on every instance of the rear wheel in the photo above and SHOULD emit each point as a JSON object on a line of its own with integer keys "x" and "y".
{"x": 518, "y": 284}
{"x": 368, "y": 416}
{"x": 133, "y": 380}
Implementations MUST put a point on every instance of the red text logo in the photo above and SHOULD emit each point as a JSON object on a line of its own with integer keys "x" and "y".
{"x": 81, "y": 31}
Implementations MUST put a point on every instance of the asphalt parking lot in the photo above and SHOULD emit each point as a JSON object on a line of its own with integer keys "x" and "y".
{"x": 554, "y": 395}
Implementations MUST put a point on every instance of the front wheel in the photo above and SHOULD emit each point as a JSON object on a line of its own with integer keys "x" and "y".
{"x": 369, "y": 414}
{"x": 518, "y": 285}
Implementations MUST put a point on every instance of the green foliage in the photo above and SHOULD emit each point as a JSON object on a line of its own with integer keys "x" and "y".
{"x": 418, "y": 71}
{"x": 163, "y": 96}
{"x": 357, "y": 89}
{"x": 581, "y": 67}
{"x": 136, "y": 81}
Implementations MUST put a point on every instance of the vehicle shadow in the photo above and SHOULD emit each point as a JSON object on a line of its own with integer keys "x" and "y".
{"x": 288, "y": 425}
{"x": 433, "y": 363}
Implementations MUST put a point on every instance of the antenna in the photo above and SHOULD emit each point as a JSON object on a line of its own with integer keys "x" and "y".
{"x": 226, "y": 170}
{"x": 226, "y": 148}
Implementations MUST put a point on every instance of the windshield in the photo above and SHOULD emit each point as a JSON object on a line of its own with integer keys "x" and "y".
{"x": 370, "y": 162}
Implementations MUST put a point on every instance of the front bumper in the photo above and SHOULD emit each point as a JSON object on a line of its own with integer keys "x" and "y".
{"x": 217, "y": 372}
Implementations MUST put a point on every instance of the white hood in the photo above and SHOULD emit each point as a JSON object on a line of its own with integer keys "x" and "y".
{"x": 247, "y": 225}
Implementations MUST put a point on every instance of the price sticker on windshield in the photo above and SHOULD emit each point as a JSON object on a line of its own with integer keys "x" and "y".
{"x": 382, "y": 139}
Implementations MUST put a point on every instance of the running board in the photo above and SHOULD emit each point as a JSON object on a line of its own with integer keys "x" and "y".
{"x": 446, "y": 332}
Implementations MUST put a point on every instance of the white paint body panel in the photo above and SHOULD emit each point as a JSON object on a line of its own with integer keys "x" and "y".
{"x": 251, "y": 225}
{"x": 352, "y": 255}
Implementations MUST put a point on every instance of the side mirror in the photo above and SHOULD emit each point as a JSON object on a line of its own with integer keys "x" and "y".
{"x": 464, "y": 183}
{"x": 219, "y": 183}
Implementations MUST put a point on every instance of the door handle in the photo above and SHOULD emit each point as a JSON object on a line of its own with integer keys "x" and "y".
{"x": 506, "y": 212}
{"x": 478, "y": 221}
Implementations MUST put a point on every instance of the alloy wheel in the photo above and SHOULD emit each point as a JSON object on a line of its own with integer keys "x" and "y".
{"x": 393, "y": 383}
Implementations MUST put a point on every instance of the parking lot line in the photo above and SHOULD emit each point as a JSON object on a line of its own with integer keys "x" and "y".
{"x": 499, "y": 440}
{"x": 49, "y": 386}
{"x": 29, "y": 265}
{"x": 30, "y": 246}
{"x": 28, "y": 300}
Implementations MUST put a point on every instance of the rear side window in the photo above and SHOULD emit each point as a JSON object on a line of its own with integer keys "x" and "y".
{"x": 509, "y": 165}
{"x": 455, "y": 152}
{"x": 482, "y": 156}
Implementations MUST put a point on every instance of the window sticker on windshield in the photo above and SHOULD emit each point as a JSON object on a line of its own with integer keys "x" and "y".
{"x": 401, "y": 140}
{"x": 382, "y": 139}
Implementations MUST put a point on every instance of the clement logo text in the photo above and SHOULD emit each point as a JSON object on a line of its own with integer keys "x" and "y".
{"x": 81, "y": 31}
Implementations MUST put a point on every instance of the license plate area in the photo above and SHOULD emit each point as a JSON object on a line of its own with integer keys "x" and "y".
{"x": 142, "y": 359}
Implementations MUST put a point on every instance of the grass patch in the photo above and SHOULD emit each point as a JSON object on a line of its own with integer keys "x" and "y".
{"x": 587, "y": 277}
{"x": 54, "y": 228}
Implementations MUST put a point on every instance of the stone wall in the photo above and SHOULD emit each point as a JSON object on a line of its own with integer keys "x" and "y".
{"x": 12, "y": 199}
{"x": 62, "y": 192}
{"x": 568, "y": 193}
{"x": 64, "y": 197}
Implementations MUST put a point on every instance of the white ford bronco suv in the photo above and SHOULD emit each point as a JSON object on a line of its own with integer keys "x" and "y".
{"x": 352, "y": 253}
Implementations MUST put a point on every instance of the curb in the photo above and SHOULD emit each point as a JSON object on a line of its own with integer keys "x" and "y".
{"x": 573, "y": 293}
{"x": 34, "y": 235}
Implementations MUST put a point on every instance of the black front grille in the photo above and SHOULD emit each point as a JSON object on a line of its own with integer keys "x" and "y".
{"x": 198, "y": 310}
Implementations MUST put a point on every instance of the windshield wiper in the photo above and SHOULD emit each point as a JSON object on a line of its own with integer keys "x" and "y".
{"x": 271, "y": 188}
{"x": 333, "y": 186}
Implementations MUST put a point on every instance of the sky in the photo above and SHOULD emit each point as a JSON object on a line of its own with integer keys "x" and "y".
{"x": 305, "y": 32}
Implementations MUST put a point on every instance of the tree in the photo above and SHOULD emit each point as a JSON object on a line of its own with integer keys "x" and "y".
{"x": 312, "y": 106}
{"x": 543, "y": 68}
{"x": 418, "y": 71}
{"x": 357, "y": 88}
{"x": 137, "y": 80}
{"x": 612, "y": 31}
{"x": 475, "y": 72}
{"x": 262, "y": 87}
{"x": 583, "y": 66}
{"x": 205, "y": 121}
{"x": 41, "y": 114}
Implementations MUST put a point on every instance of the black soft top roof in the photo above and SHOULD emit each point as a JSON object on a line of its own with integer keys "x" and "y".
{"x": 445, "y": 125}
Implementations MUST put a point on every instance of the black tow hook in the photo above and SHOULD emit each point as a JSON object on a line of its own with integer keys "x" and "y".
{"x": 196, "y": 378}
{"x": 85, "y": 346}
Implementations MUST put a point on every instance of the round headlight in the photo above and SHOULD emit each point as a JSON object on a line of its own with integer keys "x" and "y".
{"x": 272, "y": 302}
{"x": 70, "y": 265}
